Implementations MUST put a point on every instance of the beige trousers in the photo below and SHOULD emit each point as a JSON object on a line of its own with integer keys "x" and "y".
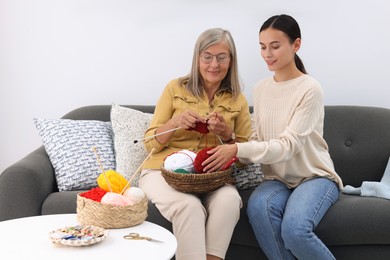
{"x": 202, "y": 224}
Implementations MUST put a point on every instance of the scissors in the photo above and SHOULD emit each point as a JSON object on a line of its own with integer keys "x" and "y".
{"x": 136, "y": 236}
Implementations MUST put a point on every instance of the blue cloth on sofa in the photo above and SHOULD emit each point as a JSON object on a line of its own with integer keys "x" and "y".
{"x": 371, "y": 188}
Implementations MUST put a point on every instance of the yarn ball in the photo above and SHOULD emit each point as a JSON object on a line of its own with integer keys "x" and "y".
{"x": 116, "y": 181}
{"x": 200, "y": 158}
{"x": 183, "y": 159}
{"x": 113, "y": 198}
{"x": 134, "y": 194}
{"x": 95, "y": 194}
{"x": 200, "y": 127}
{"x": 181, "y": 171}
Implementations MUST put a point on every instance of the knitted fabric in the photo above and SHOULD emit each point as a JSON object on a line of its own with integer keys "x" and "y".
{"x": 200, "y": 127}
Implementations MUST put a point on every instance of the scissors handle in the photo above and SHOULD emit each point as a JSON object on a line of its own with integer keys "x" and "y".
{"x": 136, "y": 236}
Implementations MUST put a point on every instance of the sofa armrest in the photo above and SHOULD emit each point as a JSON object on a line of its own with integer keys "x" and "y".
{"x": 25, "y": 185}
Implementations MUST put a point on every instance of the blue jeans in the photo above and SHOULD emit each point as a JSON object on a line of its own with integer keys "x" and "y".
{"x": 284, "y": 219}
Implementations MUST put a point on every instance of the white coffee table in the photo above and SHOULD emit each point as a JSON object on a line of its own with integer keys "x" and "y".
{"x": 28, "y": 238}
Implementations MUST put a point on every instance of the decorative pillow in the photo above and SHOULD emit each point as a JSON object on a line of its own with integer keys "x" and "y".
{"x": 248, "y": 177}
{"x": 129, "y": 125}
{"x": 69, "y": 144}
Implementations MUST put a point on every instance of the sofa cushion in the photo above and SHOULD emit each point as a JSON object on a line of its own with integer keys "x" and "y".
{"x": 356, "y": 220}
{"x": 129, "y": 125}
{"x": 69, "y": 144}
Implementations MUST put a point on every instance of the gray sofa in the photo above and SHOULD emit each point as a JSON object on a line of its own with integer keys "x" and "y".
{"x": 355, "y": 227}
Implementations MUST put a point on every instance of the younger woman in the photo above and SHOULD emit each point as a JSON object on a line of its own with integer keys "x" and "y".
{"x": 300, "y": 181}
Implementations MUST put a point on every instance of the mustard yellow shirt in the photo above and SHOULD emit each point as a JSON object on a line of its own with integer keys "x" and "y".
{"x": 175, "y": 100}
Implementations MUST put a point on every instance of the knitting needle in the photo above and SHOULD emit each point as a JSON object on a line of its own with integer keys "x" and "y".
{"x": 101, "y": 168}
{"x": 152, "y": 136}
{"x": 136, "y": 172}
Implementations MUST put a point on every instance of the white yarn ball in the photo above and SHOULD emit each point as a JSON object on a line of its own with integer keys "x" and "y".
{"x": 183, "y": 159}
{"x": 134, "y": 194}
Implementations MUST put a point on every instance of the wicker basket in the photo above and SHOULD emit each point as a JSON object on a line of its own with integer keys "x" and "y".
{"x": 195, "y": 182}
{"x": 90, "y": 212}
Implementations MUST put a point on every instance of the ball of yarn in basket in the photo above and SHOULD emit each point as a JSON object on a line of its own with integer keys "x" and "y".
{"x": 200, "y": 158}
{"x": 134, "y": 194}
{"x": 116, "y": 181}
{"x": 183, "y": 159}
{"x": 116, "y": 199}
{"x": 95, "y": 194}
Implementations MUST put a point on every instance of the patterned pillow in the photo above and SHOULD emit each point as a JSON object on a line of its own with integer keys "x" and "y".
{"x": 248, "y": 177}
{"x": 69, "y": 144}
{"x": 129, "y": 125}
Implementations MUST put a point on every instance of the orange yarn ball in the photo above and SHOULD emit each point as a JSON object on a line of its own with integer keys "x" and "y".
{"x": 201, "y": 156}
{"x": 116, "y": 181}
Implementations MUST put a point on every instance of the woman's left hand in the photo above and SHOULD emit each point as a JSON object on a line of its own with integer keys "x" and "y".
{"x": 219, "y": 157}
{"x": 217, "y": 124}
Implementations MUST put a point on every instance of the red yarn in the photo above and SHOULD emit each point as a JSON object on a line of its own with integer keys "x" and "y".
{"x": 95, "y": 194}
{"x": 200, "y": 127}
{"x": 201, "y": 156}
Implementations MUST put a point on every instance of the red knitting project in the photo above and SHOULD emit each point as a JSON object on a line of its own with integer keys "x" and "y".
{"x": 200, "y": 127}
{"x": 201, "y": 156}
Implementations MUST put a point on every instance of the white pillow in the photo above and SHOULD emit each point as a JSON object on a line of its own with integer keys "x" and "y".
{"x": 69, "y": 144}
{"x": 129, "y": 125}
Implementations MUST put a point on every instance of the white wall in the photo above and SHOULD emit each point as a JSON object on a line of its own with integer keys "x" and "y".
{"x": 56, "y": 55}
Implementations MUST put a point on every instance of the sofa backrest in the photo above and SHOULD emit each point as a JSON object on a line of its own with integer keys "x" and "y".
{"x": 358, "y": 137}
{"x": 359, "y": 141}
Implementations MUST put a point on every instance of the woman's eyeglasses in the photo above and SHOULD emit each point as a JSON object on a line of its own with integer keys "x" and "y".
{"x": 207, "y": 58}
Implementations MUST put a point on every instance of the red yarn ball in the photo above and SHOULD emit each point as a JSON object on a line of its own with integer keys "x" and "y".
{"x": 200, "y": 127}
{"x": 95, "y": 194}
{"x": 201, "y": 156}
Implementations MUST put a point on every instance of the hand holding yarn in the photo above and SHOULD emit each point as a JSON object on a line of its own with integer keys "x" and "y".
{"x": 220, "y": 158}
{"x": 190, "y": 120}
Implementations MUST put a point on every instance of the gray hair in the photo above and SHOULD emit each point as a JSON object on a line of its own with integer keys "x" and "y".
{"x": 193, "y": 81}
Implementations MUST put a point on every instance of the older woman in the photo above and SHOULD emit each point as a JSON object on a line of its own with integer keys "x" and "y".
{"x": 210, "y": 93}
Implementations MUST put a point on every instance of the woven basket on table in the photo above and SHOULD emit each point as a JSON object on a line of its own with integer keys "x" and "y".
{"x": 90, "y": 212}
{"x": 197, "y": 182}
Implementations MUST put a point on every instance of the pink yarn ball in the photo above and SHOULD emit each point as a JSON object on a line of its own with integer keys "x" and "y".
{"x": 116, "y": 199}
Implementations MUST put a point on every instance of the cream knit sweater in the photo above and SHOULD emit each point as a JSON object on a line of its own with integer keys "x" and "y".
{"x": 287, "y": 138}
